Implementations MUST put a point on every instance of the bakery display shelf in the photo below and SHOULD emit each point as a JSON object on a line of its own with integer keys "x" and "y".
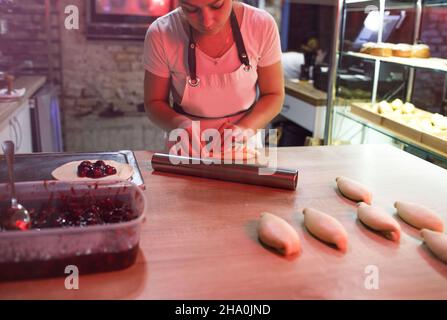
{"x": 436, "y": 153}
{"x": 360, "y": 5}
{"x": 396, "y": 5}
{"x": 425, "y": 137}
{"x": 436, "y": 64}
{"x": 394, "y": 127}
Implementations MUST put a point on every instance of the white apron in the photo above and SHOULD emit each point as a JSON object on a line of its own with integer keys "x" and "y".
{"x": 218, "y": 98}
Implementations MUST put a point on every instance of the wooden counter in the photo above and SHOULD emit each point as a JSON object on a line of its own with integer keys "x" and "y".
{"x": 199, "y": 239}
{"x": 307, "y": 92}
{"x": 31, "y": 84}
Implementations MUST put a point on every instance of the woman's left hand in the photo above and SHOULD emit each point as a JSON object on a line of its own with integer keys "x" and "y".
{"x": 233, "y": 135}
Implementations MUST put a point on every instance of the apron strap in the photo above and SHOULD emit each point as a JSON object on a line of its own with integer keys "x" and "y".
{"x": 192, "y": 59}
{"x": 237, "y": 36}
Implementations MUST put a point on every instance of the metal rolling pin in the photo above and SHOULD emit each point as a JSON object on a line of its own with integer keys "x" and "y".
{"x": 242, "y": 173}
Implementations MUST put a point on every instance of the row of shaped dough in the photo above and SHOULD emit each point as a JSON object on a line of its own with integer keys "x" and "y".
{"x": 277, "y": 233}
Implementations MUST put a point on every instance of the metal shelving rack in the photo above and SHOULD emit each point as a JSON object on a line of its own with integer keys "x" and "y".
{"x": 336, "y": 107}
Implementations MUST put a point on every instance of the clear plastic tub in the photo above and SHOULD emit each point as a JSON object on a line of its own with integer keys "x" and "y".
{"x": 46, "y": 252}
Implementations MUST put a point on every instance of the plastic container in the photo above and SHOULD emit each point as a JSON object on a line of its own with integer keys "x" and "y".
{"x": 46, "y": 252}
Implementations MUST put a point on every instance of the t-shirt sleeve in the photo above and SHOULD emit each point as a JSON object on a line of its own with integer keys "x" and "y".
{"x": 270, "y": 50}
{"x": 154, "y": 56}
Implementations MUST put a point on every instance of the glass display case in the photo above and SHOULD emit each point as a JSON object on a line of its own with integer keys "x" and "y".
{"x": 389, "y": 80}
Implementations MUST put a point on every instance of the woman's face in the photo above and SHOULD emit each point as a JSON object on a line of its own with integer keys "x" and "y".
{"x": 207, "y": 16}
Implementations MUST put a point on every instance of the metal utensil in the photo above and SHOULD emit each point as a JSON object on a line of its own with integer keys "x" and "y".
{"x": 17, "y": 217}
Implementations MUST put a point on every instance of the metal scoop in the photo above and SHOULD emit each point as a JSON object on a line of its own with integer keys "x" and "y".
{"x": 17, "y": 217}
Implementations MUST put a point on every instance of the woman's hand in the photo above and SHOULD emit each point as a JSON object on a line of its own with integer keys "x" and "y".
{"x": 188, "y": 140}
{"x": 235, "y": 137}
{"x": 234, "y": 134}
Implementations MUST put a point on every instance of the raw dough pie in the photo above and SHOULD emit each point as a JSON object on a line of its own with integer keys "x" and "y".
{"x": 277, "y": 233}
{"x": 436, "y": 242}
{"x": 419, "y": 216}
{"x": 378, "y": 219}
{"x": 326, "y": 228}
{"x": 353, "y": 190}
{"x": 68, "y": 171}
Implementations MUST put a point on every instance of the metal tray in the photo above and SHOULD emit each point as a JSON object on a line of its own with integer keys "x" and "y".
{"x": 38, "y": 166}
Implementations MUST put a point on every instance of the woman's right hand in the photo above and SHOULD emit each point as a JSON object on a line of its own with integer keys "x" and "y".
{"x": 188, "y": 141}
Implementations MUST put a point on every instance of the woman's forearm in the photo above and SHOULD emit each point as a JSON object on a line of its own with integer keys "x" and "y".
{"x": 163, "y": 115}
{"x": 156, "y": 102}
{"x": 266, "y": 108}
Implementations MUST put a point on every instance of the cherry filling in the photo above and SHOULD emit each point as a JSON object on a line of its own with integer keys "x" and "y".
{"x": 95, "y": 170}
{"x": 74, "y": 213}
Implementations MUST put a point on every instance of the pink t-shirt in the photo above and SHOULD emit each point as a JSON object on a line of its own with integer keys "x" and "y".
{"x": 165, "y": 48}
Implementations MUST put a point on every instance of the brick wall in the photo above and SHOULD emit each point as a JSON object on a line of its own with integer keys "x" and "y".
{"x": 428, "y": 90}
{"x": 97, "y": 74}
{"x": 307, "y": 21}
{"x": 27, "y": 46}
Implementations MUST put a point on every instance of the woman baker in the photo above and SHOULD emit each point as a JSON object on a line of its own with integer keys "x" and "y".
{"x": 221, "y": 62}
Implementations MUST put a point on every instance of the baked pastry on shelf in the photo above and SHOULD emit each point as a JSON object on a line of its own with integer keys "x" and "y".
{"x": 366, "y": 47}
{"x": 439, "y": 121}
{"x": 384, "y": 107}
{"x": 381, "y": 50}
{"x": 420, "y": 51}
{"x": 402, "y": 50}
{"x": 434, "y": 125}
{"x": 408, "y": 108}
{"x": 396, "y": 107}
{"x": 397, "y": 104}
